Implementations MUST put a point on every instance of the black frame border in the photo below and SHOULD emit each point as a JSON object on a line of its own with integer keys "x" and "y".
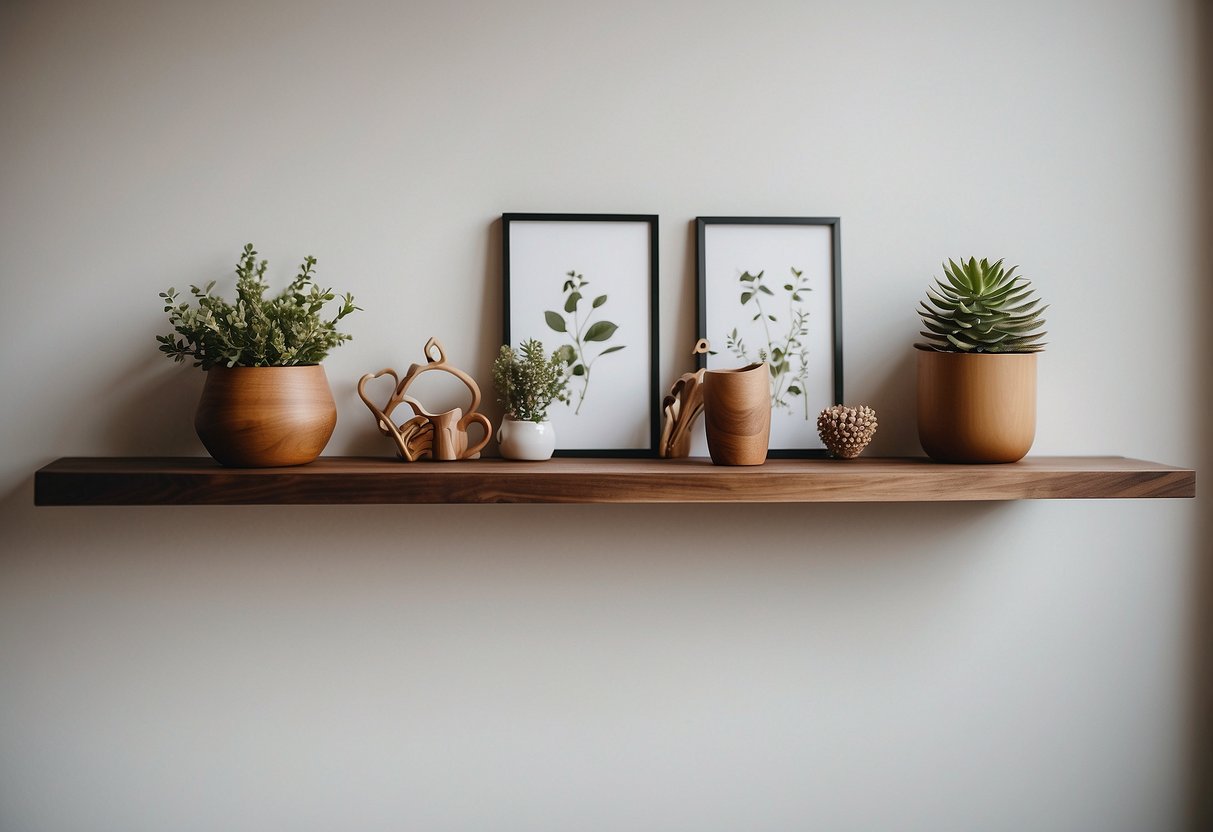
{"x": 701, "y": 298}
{"x": 654, "y": 319}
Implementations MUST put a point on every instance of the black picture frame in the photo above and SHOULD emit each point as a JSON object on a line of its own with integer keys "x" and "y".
{"x": 513, "y": 228}
{"x": 709, "y": 286}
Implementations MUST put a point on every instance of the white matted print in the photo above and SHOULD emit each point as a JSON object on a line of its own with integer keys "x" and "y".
{"x": 588, "y": 283}
{"x": 769, "y": 291}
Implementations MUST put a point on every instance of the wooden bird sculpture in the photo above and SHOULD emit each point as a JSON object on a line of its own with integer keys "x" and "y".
{"x": 682, "y": 406}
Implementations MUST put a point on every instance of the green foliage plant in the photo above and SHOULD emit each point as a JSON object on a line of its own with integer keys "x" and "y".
{"x": 528, "y": 381}
{"x": 981, "y": 307}
{"x": 785, "y": 350}
{"x": 583, "y": 332}
{"x": 285, "y": 330}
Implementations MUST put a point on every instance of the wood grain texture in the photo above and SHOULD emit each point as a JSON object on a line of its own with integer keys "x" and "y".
{"x": 681, "y": 407}
{"x": 357, "y": 480}
{"x": 976, "y": 408}
{"x": 440, "y": 436}
{"x": 737, "y": 414}
{"x": 265, "y": 416}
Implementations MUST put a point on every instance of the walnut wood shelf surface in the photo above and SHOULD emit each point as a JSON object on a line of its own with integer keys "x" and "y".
{"x": 359, "y": 480}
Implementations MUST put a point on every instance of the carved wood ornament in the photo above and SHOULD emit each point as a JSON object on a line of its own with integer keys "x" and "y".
{"x": 682, "y": 406}
{"x": 439, "y": 436}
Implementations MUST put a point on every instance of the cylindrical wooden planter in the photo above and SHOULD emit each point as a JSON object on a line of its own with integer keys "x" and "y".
{"x": 737, "y": 414}
{"x": 265, "y": 417}
{"x": 976, "y": 407}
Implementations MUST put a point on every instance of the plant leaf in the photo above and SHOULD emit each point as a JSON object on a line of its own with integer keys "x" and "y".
{"x": 555, "y": 321}
{"x": 599, "y": 301}
{"x": 571, "y": 303}
{"x": 612, "y": 349}
{"x": 600, "y": 331}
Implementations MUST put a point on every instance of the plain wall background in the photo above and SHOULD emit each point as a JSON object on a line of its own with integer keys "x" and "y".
{"x": 903, "y": 667}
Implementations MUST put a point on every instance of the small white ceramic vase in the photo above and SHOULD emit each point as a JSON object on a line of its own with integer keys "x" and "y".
{"x": 526, "y": 440}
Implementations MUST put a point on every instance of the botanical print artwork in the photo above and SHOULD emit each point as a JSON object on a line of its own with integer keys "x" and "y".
{"x": 768, "y": 291}
{"x": 584, "y": 332}
{"x": 785, "y": 327}
{"x": 586, "y": 286}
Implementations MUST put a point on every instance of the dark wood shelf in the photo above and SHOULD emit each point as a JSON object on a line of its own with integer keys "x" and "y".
{"x": 83, "y": 481}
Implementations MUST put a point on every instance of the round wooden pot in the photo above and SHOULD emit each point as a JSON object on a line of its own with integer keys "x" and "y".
{"x": 737, "y": 414}
{"x": 976, "y": 407}
{"x": 265, "y": 417}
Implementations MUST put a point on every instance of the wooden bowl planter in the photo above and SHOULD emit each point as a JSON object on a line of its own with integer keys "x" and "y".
{"x": 265, "y": 417}
{"x": 976, "y": 407}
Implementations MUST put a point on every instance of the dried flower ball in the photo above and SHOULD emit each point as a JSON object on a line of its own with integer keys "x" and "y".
{"x": 846, "y": 431}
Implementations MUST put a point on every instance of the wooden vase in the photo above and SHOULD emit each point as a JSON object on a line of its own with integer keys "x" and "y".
{"x": 976, "y": 407}
{"x": 265, "y": 417}
{"x": 737, "y": 414}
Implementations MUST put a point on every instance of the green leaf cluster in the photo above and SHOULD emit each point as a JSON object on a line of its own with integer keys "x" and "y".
{"x": 581, "y": 331}
{"x": 786, "y": 351}
{"x": 981, "y": 307}
{"x": 529, "y": 380}
{"x": 281, "y": 331}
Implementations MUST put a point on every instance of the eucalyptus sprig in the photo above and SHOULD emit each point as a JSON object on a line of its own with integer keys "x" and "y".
{"x": 785, "y": 352}
{"x": 528, "y": 381}
{"x": 582, "y": 330}
{"x": 282, "y": 331}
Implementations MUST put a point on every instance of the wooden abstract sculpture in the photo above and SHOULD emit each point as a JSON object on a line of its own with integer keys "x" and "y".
{"x": 440, "y": 436}
{"x": 682, "y": 407}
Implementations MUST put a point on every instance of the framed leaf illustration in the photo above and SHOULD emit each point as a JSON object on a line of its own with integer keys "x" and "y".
{"x": 586, "y": 284}
{"x": 769, "y": 290}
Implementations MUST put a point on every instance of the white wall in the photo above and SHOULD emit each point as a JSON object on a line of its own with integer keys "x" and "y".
{"x": 908, "y": 667}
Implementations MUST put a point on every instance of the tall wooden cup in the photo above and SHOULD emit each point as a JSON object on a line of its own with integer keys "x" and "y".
{"x": 737, "y": 414}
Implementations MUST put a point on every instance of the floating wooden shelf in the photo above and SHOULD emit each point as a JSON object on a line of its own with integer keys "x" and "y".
{"x": 357, "y": 480}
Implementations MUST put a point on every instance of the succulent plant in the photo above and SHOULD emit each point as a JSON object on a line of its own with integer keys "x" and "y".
{"x": 982, "y": 307}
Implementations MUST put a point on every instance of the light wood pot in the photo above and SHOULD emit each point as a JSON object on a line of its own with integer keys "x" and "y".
{"x": 976, "y": 407}
{"x": 737, "y": 414}
{"x": 265, "y": 417}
